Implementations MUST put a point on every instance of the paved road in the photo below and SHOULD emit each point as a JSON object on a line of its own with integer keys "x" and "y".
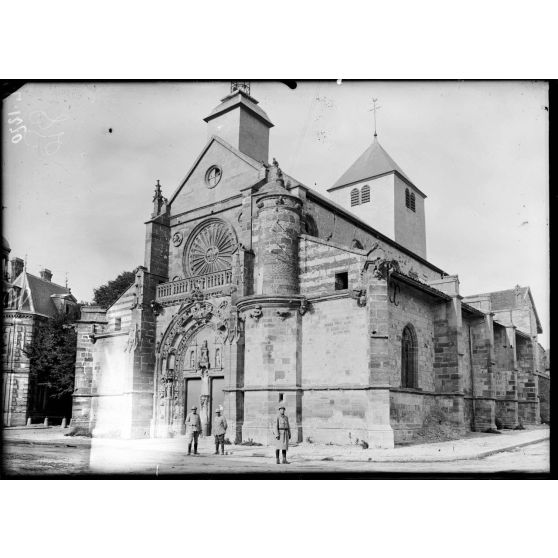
{"x": 29, "y": 460}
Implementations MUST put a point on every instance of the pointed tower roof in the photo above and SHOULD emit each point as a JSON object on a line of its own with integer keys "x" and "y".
{"x": 375, "y": 161}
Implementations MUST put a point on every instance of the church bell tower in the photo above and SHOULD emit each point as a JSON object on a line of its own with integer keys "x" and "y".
{"x": 241, "y": 122}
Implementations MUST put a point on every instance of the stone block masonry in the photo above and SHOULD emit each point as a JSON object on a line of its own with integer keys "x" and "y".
{"x": 527, "y": 382}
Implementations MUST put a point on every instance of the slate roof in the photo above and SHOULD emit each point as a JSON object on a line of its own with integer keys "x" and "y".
{"x": 37, "y": 295}
{"x": 375, "y": 161}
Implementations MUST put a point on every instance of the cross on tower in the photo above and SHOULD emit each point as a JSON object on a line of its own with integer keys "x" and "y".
{"x": 375, "y": 108}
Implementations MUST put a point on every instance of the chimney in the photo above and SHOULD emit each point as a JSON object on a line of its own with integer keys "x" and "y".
{"x": 46, "y": 274}
{"x": 17, "y": 268}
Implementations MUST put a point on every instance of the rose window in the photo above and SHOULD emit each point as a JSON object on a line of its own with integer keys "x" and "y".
{"x": 210, "y": 249}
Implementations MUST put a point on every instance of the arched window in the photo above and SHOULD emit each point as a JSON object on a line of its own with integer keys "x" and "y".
{"x": 412, "y": 201}
{"x": 310, "y": 227}
{"x": 365, "y": 194}
{"x": 217, "y": 358}
{"x": 355, "y": 197}
{"x": 192, "y": 359}
{"x": 409, "y": 350}
{"x": 407, "y": 198}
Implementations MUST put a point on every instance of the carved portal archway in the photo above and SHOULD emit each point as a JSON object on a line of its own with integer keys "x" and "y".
{"x": 192, "y": 363}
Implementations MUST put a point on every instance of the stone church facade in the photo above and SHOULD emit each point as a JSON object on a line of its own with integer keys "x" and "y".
{"x": 257, "y": 289}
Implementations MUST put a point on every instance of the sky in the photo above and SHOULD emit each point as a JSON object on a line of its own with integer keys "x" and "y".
{"x": 81, "y": 163}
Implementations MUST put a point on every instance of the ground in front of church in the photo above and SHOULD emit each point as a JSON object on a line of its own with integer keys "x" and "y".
{"x": 47, "y": 451}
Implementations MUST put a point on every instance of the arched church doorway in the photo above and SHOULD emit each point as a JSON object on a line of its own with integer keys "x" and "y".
{"x": 202, "y": 364}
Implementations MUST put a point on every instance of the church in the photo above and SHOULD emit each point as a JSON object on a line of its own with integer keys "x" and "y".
{"x": 256, "y": 289}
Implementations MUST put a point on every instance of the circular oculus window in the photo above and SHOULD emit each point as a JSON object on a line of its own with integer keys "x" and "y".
{"x": 213, "y": 176}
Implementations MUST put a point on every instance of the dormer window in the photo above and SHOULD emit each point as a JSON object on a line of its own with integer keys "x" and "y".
{"x": 355, "y": 197}
{"x": 365, "y": 194}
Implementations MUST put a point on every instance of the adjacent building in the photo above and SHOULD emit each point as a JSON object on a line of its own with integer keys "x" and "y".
{"x": 28, "y": 302}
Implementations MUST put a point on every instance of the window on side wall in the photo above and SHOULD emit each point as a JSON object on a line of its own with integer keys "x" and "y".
{"x": 409, "y": 358}
{"x": 341, "y": 281}
{"x": 117, "y": 324}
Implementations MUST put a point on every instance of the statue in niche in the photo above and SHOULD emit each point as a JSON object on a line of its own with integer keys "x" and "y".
{"x": 204, "y": 356}
{"x": 203, "y": 368}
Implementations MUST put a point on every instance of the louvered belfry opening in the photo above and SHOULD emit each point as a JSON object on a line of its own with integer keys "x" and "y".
{"x": 355, "y": 197}
{"x": 409, "y": 372}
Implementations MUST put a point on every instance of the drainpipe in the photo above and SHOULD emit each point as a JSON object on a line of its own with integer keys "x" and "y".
{"x": 472, "y": 376}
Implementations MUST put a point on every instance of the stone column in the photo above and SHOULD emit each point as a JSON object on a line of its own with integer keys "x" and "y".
{"x": 483, "y": 396}
{"x": 449, "y": 352}
{"x": 141, "y": 383}
{"x": 233, "y": 400}
{"x": 507, "y": 409}
{"x": 527, "y": 382}
{"x": 380, "y": 432}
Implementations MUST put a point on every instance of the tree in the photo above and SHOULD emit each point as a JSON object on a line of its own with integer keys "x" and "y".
{"x": 107, "y": 294}
{"x": 52, "y": 356}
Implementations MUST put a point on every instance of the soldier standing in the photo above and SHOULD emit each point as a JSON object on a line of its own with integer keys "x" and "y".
{"x": 219, "y": 429}
{"x": 282, "y": 432}
{"x": 193, "y": 429}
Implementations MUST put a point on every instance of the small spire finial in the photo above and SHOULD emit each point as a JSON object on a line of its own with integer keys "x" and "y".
{"x": 158, "y": 200}
{"x": 66, "y": 279}
{"x": 375, "y": 108}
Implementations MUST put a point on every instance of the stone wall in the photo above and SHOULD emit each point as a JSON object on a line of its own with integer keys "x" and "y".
{"x": 92, "y": 322}
{"x": 504, "y": 378}
{"x": 337, "y": 228}
{"x": 485, "y": 412}
{"x": 320, "y": 261}
{"x": 527, "y": 382}
{"x": 271, "y": 369}
{"x": 544, "y": 397}
{"x": 335, "y": 359}
{"x": 412, "y": 307}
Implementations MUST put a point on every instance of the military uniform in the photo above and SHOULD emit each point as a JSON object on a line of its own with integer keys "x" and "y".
{"x": 219, "y": 429}
{"x": 282, "y": 431}
{"x": 193, "y": 429}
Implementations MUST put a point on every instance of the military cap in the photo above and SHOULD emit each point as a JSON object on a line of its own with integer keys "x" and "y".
{"x": 281, "y": 406}
{"x": 193, "y": 407}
